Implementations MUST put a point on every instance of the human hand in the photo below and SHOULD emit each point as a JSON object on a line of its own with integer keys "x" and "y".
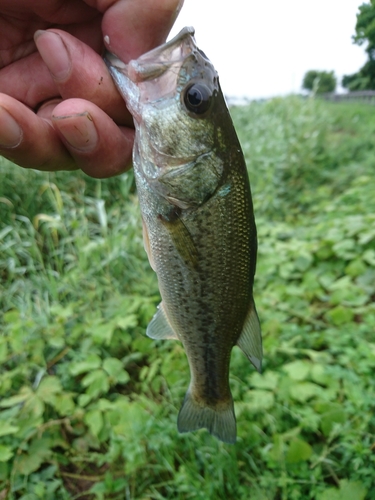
{"x": 59, "y": 109}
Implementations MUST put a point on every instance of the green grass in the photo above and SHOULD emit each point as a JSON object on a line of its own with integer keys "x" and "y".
{"x": 88, "y": 404}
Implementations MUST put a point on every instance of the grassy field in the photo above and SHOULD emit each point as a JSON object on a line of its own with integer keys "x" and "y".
{"x": 88, "y": 404}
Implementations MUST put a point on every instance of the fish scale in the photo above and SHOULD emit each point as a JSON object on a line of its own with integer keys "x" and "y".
{"x": 198, "y": 221}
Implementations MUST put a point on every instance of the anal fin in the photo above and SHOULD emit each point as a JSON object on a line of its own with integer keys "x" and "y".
{"x": 250, "y": 340}
{"x": 159, "y": 327}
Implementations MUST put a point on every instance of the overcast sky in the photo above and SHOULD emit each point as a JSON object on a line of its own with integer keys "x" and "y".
{"x": 262, "y": 48}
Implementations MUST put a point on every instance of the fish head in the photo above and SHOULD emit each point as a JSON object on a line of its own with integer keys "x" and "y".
{"x": 173, "y": 92}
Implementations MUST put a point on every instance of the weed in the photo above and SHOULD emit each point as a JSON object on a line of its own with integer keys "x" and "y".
{"x": 88, "y": 404}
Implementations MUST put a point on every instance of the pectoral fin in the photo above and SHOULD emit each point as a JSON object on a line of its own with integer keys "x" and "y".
{"x": 159, "y": 327}
{"x": 182, "y": 241}
{"x": 250, "y": 341}
{"x": 147, "y": 246}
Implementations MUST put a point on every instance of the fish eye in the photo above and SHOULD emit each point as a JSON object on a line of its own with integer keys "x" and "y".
{"x": 197, "y": 98}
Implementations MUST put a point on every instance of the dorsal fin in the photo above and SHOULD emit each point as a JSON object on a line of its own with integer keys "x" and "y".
{"x": 159, "y": 327}
{"x": 250, "y": 340}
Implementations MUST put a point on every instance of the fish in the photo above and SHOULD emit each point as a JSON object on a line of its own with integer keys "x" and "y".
{"x": 198, "y": 221}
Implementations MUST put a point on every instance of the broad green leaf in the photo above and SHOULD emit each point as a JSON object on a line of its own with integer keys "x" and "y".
{"x": 40, "y": 490}
{"x": 369, "y": 257}
{"x": 105, "y": 404}
{"x": 28, "y": 424}
{"x": 7, "y": 428}
{"x": 4, "y": 471}
{"x": 115, "y": 370}
{"x": 62, "y": 312}
{"x": 3, "y": 350}
{"x": 64, "y": 403}
{"x": 38, "y": 452}
{"x": 97, "y": 382}
{"x": 351, "y": 296}
{"x": 48, "y": 387}
{"x": 133, "y": 419}
{"x": 102, "y": 333}
{"x": 345, "y": 248}
{"x": 258, "y": 400}
{"x": 340, "y": 284}
{"x": 349, "y": 490}
{"x": 268, "y": 380}
{"x": 298, "y": 451}
{"x": 298, "y": 370}
{"x": 352, "y": 489}
{"x": 302, "y": 391}
{"x": 331, "y": 414}
{"x": 94, "y": 421}
{"x": 129, "y": 321}
{"x": 11, "y": 316}
{"x": 26, "y": 464}
{"x": 276, "y": 451}
{"x": 35, "y": 405}
{"x": 92, "y": 362}
{"x": 16, "y": 339}
{"x": 330, "y": 494}
{"x": 84, "y": 399}
{"x": 340, "y": 315}
{"x": 329, "y": 419}
{"x": 112, "y": 366}
{"x": 303, "y": 261}
{"x": 356, "y": 267}
{"x": 319, "y": 374}
{"x": 6, "y": 453}
{"x": 56, "y": 337}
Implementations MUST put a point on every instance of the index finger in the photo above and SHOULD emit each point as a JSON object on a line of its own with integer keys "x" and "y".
{"x": 132, "y": 27}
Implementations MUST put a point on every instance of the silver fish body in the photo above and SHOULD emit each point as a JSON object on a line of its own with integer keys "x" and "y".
{"x": 198, "y": 221}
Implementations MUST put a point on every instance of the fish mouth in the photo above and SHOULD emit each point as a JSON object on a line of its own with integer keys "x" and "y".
{"x": 153, "y": 75}
{"x": 157, "y": 61}
{"x": 160, "y": 73}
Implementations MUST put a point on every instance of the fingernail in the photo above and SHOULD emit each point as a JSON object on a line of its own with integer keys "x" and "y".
{"x": 78, "y": 130}
{"x": 54, "y": 53}
{"x": 10, "y": 132}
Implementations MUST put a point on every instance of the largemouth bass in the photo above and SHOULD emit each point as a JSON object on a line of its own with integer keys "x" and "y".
{"x": 198, "y": 222}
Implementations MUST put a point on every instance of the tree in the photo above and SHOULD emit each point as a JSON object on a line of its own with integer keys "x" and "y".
{"x": 319, "y": 81}
{"x": 364, "y": 79}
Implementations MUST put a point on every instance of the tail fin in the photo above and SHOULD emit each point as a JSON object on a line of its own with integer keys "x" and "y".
{"x": 221, "y": 422}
